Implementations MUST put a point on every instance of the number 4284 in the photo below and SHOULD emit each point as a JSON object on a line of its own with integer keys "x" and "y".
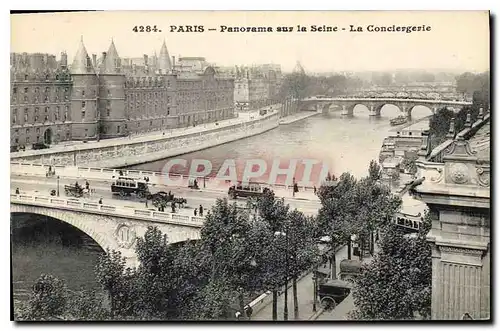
{"x": 147, "y": 28}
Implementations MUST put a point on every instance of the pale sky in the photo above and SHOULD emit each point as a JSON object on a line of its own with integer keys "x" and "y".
{"x": 458, "y": 40}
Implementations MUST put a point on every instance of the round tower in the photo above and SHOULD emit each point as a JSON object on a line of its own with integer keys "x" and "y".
{"x": 83, "y": 112}
{"x": 111, "y": 95}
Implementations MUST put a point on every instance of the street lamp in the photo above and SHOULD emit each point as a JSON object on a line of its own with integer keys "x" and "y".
{"x": 285, "y": 312}
{"x": 57, "y": 185}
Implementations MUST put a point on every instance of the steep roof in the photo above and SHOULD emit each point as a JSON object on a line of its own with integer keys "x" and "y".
{"x": 80, "y": 61}
{"x": 112, "y": 60}
{"x": 480, "y": 142}
{"x": 298, "y": 68}
{"x": 164, "y": 63}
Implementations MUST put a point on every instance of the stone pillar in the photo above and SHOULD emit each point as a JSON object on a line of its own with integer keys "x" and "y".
{"x": 345, "y": 111}
{"x": 372, "y": 111}
{"x": 457, "y": 192}
{"x": 460, "y": 265}
{"x": 407, "y": 112}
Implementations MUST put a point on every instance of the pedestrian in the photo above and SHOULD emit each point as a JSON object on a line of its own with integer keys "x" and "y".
{"x": 314, "y": 189}
{"x": 17, "y": 190}
{"x": 121, "y": 173}
{"x": 100, "y": 201}
{"x": 201, "y": 211}
{"x": 195, "y": 212}
{"x": 87, "y": 185}
{"x": 173, "y": 207}
{"x": 146, "y": 203}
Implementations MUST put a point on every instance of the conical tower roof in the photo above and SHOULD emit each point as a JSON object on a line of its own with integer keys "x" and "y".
{"x": 299, "y": 69}
{"x": 80, "y": 62}
{"x": 112, "y": 61}
{"x": 164, "y": 63}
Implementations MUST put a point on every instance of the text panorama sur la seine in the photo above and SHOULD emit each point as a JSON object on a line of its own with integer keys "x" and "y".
{"x": 299, "y": 28}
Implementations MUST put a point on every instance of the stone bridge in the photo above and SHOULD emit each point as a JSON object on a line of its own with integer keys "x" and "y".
{"x": 375, "y": 104}
{"x": 111, "y": 227}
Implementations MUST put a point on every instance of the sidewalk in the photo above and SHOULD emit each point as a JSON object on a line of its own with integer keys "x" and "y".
{"x": 297, "y": 117}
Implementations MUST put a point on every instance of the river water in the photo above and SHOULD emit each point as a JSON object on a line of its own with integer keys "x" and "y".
{"x": 338, "y": 143}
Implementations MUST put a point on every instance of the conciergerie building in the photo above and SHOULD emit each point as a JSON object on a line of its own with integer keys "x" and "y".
{"x": 107, "y": 96}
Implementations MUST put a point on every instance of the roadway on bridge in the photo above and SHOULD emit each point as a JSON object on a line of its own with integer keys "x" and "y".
{"x": 195, "y": 198}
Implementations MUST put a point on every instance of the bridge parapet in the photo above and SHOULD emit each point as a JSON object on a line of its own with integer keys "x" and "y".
{"x": 92, "y": 207}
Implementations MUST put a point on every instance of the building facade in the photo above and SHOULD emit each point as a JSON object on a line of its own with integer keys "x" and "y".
{"x": 107, "y": 97}
{"x": 456, "y": 188}
{"x": 256, "y": 86}
{"x": 41, "y": 103}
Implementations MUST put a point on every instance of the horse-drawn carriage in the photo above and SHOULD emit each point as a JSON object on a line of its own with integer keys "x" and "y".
{"x": 161, "y": 199}
{"x": 75, "y": 190}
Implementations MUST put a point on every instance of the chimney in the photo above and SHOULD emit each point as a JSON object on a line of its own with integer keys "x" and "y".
{"x": 64, "y": 60}
{"x": 94, "y": 60}
{"x": 89, "y": 63}
{"x": 145, "y": 59}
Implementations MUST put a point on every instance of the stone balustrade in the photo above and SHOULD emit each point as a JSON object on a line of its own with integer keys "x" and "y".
{"x": 93, "y": 207}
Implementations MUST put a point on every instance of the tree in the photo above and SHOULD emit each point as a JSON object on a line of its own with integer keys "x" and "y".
{"x": 337, "y": 199}
{"x": 87, "y": 305}
{"x": 302, "y": 249}
{"x": 47, "y": 301}
{"x": 409, "y": 164}
{"x": 274, "y": 212}
{"x": 152, "y": 281}
{"x": 397, "y": 283}
{"x": 115, "y": 280}
{"x": 374, "y": 171}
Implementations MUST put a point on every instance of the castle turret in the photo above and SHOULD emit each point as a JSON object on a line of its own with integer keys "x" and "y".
{"x": 84, "y": 113}
{"x": 164, "y": 63}
{"x": 111, "y": 95}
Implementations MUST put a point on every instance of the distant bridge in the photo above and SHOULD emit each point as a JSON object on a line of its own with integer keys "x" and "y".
{"x": 111, "y": 227}
{"x": 375, "y": 104}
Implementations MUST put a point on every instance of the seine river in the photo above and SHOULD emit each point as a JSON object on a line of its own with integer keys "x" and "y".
{"x": 341, "y": 144}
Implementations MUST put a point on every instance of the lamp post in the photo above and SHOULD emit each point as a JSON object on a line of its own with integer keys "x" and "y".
{"x": 315, "y": 284}
{"x": 285, "y": 309}
{"x": 57, "y": 185}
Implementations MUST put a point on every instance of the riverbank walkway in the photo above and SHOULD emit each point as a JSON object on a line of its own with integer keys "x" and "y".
{"x": 297, "y": 117}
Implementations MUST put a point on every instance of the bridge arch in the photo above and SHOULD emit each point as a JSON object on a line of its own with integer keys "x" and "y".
{"x": 77, "y": 222}
{"x": 432, "y": 109}
{"x": 378, "y": 107}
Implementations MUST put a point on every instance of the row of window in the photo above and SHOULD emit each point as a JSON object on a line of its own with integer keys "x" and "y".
{"x": 40, "y": 139}
{"x": 148, "y": 96}
{"x": 37, "y": 130}
{"x": 49, "y": 78}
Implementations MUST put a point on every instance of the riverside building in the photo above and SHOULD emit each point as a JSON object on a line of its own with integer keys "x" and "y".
{"x": 109, "y": 96}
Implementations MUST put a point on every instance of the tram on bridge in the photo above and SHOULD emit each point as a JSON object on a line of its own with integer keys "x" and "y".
{"x": 126, "y": 186}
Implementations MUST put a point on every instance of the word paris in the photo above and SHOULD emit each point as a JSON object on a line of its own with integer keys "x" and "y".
{"x": 253, "y": 169}
{"x": 299, "y": 28}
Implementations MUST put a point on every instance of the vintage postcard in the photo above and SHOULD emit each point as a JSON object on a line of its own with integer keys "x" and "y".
{"x": 250, "y": 166}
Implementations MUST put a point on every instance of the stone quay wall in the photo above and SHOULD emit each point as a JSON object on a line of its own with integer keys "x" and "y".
{"x": 129, "y": 152}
